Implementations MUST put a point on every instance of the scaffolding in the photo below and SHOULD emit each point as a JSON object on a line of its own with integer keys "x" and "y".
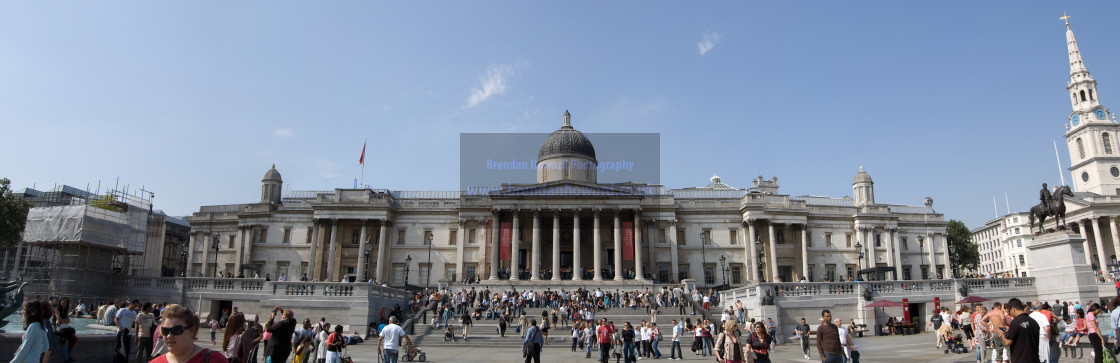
{"x": 76, "y": 242}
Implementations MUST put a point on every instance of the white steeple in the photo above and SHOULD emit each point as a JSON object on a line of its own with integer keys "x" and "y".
{"x": 1090, "y": 134}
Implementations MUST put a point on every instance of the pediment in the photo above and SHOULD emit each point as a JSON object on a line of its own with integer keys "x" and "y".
{"x": 565, "y": 189}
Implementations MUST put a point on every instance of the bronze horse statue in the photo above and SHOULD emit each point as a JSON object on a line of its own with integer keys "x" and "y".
{"x": 1057, "y": 210}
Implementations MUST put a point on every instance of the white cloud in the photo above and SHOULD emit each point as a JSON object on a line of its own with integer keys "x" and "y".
{"x": 708, "y": 42}
{"x": 284, "y": 132}
{"x": 494, "y": 82}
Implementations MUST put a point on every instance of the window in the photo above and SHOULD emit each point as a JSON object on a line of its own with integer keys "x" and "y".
{"x": 737, "y": 273}
{"x": 830, "y": 272}
{"x": 828, "y": 240}
{"x": 355, "y": 236}
{"x": 1019, "y": 243}
{"x": 310, "y": 231}
{"x": 663, "y": 273}
{"x": 398, "y": 273}
{"x": 1022, "y": 260}
{"x": 449, "y": 273}
{"x": 925, "y": 272}
{"x": 400, "y": 236}
{"x": 707, "y": 236}
{"x": 1015, "y": 220}
{"x": 661, "y": 238}
{"x": 470, "y": 236}
{"x": 1016, "y": 230}
{"x": 680, "y": 237}
{"x": 566, "y": 176}
{"x": 428, "y": 237}
{"x": 1090, "y": 98}
{"x": 779, "y": 237}
{"x": 264, "y": 235}
{"x": 906, "y": 272}
{"x": 1074, "y": 98}
{"x": 1107, "y": 143}
{"x": 851, "y": 271}
{"x": 733, "y": 235}
{"x": 451, "y": 237}
{"x": 281, "y": 266}
{"x": 878, "y": 240}
{"x": 682, "y": 272}
{"x": 904, "y": 246}
{"x": 710, "y": 274}
{"x": 848, "y": 240}
{"x": 471, "y": 270}
{"x": 1080, "y": 148}
{"x": 1083, "y": 95}
{"x": 288, "y": 235}
{"x": 422, "y": 274}
{"x": 302, "y": 268}
{"x": 232, "y": 238}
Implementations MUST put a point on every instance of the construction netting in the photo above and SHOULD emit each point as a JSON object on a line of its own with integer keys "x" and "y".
{"x": 88, "y": 224}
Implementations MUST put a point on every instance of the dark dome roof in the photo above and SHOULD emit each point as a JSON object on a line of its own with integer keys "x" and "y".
{"x": 272, "y": 175}
{"x": 567, "y": 141}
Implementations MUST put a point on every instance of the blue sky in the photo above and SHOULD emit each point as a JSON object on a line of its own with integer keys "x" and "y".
{"x": 959, "y": 101}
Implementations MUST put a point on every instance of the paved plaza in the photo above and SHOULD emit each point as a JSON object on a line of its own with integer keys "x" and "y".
{"x": 902, "y": 349}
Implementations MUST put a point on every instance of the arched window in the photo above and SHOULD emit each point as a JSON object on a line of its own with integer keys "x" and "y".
{"x": 1080, "y": 148}
{"x": 567, "y": 174}
{"x": 1074, "y": 97}
{"x": 1082, "y": 95}
{"x": 1107, "y": 143}
{"x": 1090, "y": 94}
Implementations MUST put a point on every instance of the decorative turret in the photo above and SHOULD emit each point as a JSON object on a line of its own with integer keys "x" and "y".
{"x": 863, "y": 188}
{"x": 271, "y": 185}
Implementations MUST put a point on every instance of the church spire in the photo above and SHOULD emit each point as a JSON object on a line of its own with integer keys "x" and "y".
{"x": 1082, "y": 86}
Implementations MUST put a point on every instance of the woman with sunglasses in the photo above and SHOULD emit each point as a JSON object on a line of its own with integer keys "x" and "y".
{"x": 34, "y": 337}
{"x": 179, "y": 330}
{"x": 760, "y": 343}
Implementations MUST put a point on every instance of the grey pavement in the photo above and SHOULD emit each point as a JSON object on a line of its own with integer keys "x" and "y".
{"x": 909, "y": 349}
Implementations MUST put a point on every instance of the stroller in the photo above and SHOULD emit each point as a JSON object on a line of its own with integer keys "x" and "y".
{"x": 955, "y": 342}
{"x": 413, "y": 352}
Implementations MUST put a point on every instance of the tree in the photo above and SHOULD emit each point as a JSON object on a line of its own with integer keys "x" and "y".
{"x": 13, "y": 215}
{"x": 965, "y": 255}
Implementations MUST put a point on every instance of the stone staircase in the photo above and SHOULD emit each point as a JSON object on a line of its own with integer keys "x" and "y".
{"x": 485, "y": 332}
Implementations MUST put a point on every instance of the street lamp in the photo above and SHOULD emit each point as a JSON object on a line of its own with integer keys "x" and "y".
{"x": 704, "y": 254}
{"x": 761, "y": 256}
{"x": 428, "y": 279}
{"x": 723, "y": 266}
{"x": 407, "y": 262}
{"x": 216, "y": 240}
{"x": 859, "y": 257}
{"x": 183, "y": 257}
{"x": 366, "y": 248}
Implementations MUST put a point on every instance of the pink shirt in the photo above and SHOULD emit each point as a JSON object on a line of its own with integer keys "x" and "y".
{"x": 1091, "y": 322}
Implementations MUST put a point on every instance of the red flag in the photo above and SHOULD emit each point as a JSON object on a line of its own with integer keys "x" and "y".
{"x": 362, "y": 159}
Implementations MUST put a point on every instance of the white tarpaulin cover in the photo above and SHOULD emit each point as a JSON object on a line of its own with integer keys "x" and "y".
{"x": 89, "y": 224}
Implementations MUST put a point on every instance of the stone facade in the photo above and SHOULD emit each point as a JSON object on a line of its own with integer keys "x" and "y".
{"x": 715, "y": 234}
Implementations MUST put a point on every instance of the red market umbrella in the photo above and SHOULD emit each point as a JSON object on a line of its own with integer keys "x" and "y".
{"x": 883, "y": 304}
{"x": 972, "y": 300}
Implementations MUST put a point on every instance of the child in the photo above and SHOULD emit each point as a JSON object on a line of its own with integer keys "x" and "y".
{"x": 213, "y": 331}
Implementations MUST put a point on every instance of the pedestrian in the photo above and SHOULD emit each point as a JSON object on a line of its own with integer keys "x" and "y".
{"x": 126, "y": 320}
{"x": 66, "y": 333}
{"x": 388, "y": 345}
{"x": 464, "y": 322}
{"x": 321, "y": 349}
{"x": 728, "y": 347}
{"x": 231, "y": 341}
{"x": 335, "y": 343}
{"x": 531, "y": 345}
{"x": 1095, "y": 337}
{"x": 213, "y": 330}
{"x": 828, "y": 340}
{"x": 281, "y": 342}
{"x": 803, "y": 335}
{"x": 250, "y": 340}
{"x": 675, "y": 349}
{"x": 34, "y": 347}
{"x": 1021, "y": 336}
{"x": 179, "y": 330}
{"x": 145, "y": 322}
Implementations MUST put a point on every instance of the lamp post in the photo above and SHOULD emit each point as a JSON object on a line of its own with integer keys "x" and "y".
{"x": 216, "y": 240}
{"x": 723, "y": 266}
{"x": 407, "y": 262}
{"x": 761, "y": 257}
{"x": 183, "y": 257}
{"x": 366, "y": 248}
{"x": 428, "y": 279}
{"x": 704, "y": 254}
{"x": 859, "y": 258}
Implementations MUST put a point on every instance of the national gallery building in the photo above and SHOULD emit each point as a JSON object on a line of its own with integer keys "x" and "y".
{"x": 567, "y": 228}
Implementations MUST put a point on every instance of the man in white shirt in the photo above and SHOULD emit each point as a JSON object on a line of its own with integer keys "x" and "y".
{"x": 675, "y": 350}
{"x": 125, "y": 319}
{"x": 845, "y": 339}
{"x": 1043, "y": 334}
{"x": 388, "y": 343}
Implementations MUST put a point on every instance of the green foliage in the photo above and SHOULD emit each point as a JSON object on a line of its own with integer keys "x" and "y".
{"x": 13, "y": 215}
{"x": 965, "y": 255}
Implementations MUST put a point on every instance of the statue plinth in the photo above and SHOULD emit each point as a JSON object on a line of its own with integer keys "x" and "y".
{"x": 1059, "y": 267}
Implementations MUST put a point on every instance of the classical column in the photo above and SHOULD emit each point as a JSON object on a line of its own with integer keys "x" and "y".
{"x": 186, "y": 272}
{"x": 496, "y": 241}
{"x": 617, "y": 245}
{"x": 459, "y": 250}
{"x": 804, "y": 251}
{"x": 1101, "y": 259}
{"x": 361, "y": 252}
{"x": 930, "y": 242}
{"x": 237, "y": 252}
{"x": 555, "y": 245}
{"x": 331, "y": 274}
{"x": 650, "y": 243}
{"x": 673, "y": 258}
{"x": 514, "y": 249}
{"x": 382, "y": 251}
{"x": 205, "y": 253}
{"x": 773, "y": 271}
{"x": 598, "y": 246}
{"x": 536, "y": 252}
{"x": 890, "y": 249}
{"x": 946, "y": 269}
{"x": 1084, "y": 244}
{"x": 639, "y": 272}
{"x": 752, "y": 250}
{"x": 1115, "y": 240}
{"x": 748, "y": 247}
{"x": 870, "y": 247}
{"x": 313, "y": 264}
{"x": 246, "y": 244}
{"x": 577, "y": 272}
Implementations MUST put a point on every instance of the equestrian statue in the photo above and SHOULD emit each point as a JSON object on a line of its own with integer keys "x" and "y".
{"x": 1050, "y": 205}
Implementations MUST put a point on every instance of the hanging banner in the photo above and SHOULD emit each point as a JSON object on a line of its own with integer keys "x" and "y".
{"x": 505, "y": 240}
{"x": 936, "y": 303}
{"x": 906, "y": 309}
{"x": 628, "y": 241}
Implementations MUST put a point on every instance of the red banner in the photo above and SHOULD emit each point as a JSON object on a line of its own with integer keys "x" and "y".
{"x": 936, "y": 303}
{"x": 628, "y": 241}
{"x": 505, "y": 239}
{"x": 906, "y": 309}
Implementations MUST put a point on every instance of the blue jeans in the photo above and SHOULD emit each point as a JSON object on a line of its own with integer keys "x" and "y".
{"x": 656, "y": 352}
{"x": 675, "y": 350}
{"x": 628, "y": 354}
{"x": 388, "y": 356}
{"x": 833, "y": 358}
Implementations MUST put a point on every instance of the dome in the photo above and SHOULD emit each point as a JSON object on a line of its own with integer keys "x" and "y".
{"x": 862, "y": 177}
{"x": 567, "y": 141}
{"x": 272, "y": 175}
